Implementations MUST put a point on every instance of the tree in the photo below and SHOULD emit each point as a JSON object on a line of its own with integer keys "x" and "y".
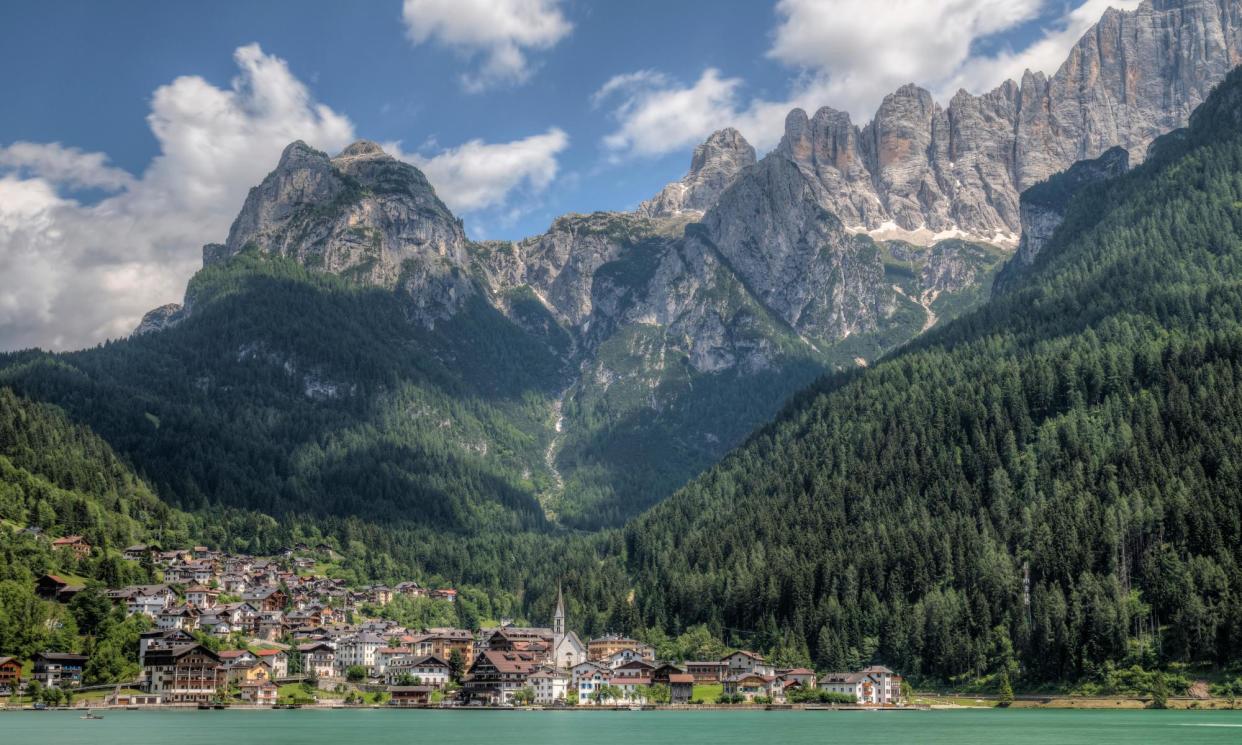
{"x": 1159, "y": 691}
{"x": 1005, "y": 692}
{"x": 355, "y": 673}
{"x": 457, "y": 665}
{"x": 524, "y": 696}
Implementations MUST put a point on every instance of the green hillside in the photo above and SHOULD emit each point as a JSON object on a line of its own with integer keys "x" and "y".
{"x": 1049, "y": 486}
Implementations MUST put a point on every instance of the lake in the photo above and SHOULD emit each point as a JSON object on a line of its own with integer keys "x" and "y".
{"x": 351, "y": 727}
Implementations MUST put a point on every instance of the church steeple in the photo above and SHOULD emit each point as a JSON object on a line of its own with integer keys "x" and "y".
{"x": 558, "y": 618}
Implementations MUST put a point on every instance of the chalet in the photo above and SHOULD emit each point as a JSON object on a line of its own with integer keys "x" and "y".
{"x": 234, "y": 584}
{"x": 267, "y": 598}
{"x": 706, "y": 671}
{"x": 185, "y": 617}
{"x": 147, "y": 600}
{"x": 248, "y": 671}
{"x": 271, "y": 625}
{"x": 409, "y": 695}
{"x": 798, "y": 677}
{"x": 495, "y": 675}
{"x": 630, "y": 689}
{"x": 58, "y": 670}
{"x": 74, "y": 543}
{"x": 876, "y": 685}
{"x": 633, "y": 669}
{"x": 661, "y": 673}
{"x": 551, "y": 686}
{"x": 188, "y": 673}
{"x": 55, "y": 587}
{"x": 680, "y": 688}
{"x": 428, "y": 670}
{"x": 10, "y": 674}
{"x": 200, "y": 552}
{"x": 446, "y": 593}
{"x": 278, "y": 659}
{"x": 410, "y": 590}
{"x": 747, "y": 662}
{"x": 233, "y": 656}
{"x": 318, "y": 659}
{"x": 140, "y": 551}
{"x": 260, "y": 692}
{"x": 750, "y": 685}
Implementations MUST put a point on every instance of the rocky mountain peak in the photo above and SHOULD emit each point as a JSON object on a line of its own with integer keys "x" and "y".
{"x": 363, "y": 148}
{"x": 715, "y": 164}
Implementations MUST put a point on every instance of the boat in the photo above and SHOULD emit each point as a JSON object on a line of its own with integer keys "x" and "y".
{"x": 90, "y": 715}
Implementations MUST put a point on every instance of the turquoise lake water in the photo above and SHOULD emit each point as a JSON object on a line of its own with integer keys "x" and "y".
{"x": 309, "y": 727}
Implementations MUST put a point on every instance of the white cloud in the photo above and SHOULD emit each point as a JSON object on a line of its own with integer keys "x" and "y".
{"x": 477, "y": 175}
{"x": 1044, "y": 55}
{"x": 76, "y": 274}
{"x": 848, "y": 54}
{"x": 66, "y": 165}
{"x": 503, "y": 31}
{"x": 656, "y": 115}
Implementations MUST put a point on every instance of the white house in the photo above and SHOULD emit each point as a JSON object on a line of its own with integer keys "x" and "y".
{"x": 359, "y": 650}
{"x": 428, "y": 669}
{"x": 743, "y": 662}
{"x": 872, "y": 685}
{"x": 550, "y": 685}
{"x": 588, "y": 682}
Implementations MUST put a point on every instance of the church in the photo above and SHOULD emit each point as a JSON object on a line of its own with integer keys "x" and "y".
{"x": 567, "y": 649}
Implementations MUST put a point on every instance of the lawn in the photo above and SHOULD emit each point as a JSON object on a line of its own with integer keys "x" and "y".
{"x": 707, "y": 693}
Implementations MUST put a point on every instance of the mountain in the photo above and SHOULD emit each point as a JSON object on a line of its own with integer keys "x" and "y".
{"x": 715, "y": 165}
{"x": 1047, "y": 487}
{"x": 921, "y": 171}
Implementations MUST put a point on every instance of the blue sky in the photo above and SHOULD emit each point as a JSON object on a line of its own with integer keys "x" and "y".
{"x": 507, "y": 104}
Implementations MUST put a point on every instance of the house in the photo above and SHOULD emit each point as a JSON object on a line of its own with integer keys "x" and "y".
{"x": 750, "y": 685}
{"x": 660, "y": 674}
{"x": 427, "y": 670}
{"x": 201, "y": 596}
{"x": 277, "y": 659}
{"x": 384, "y": 656}
{"x": 706, "y": 671}
{"x": 630, "y": 689}
{"x": 410, "y": 589}
{"x": 680, "y": 688}
{"x": 10, "y": 674}
{"x": 875, "y": 685}
{"x": 551, "y": 686}
{"x": 160, "y": 639}
{"x": 185, "y": 617}
{"x": 409, "y": 695}
{"x": 267, "y": 598}
{"x": 627, "y": 656}
{"x": 187, "y": 673}
{"x": 798, "y": 677}
{"x": 442, "y": 641}
{"x": 318, "y": 659}
{"x": 633, "y": 669}
{"x": 495, "y": 675}
{"x": 147, "y": 600}
{"x": 248, "y": 671}
{"x": 359, "y": 649}
{"x": 447, "y": 593}
{"x": 55, "y": 587}
{"x": 604, "y": 647}
{"x": 588, "y": 681}
{"x": 75, "y": 543}
{"x": 262, "y": 693}
{"x": 747, "y": 662}
{"x": 58, "y": 670}
{"x": 139, "y": 551}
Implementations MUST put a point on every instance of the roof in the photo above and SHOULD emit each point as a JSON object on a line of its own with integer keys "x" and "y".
{"x": 61, "y": 656}
{"x": 509, "y": 662}
{"x": 172, "y": 654}
{"x": 681, "y": 678}
{"x": 705, "y": 663}
{"x": 7, "y": 660}
{"x": 410, "y": 689}
{"x": 267, "y": 652}
{"x": 752, "y": 655}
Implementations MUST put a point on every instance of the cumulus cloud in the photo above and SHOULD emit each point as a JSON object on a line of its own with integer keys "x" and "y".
{"x": 65, "y": 165}
{"x": 78, "y": 273}
{"x": 477, "y": 175}
{"x": 501, "y": 31}
{"x": 847, "y": 54}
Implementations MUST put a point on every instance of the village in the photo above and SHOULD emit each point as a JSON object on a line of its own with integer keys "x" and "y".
{"x": 236, "y": 630}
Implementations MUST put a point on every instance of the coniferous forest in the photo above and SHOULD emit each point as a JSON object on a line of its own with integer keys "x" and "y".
{"x": 1046, "y": 488}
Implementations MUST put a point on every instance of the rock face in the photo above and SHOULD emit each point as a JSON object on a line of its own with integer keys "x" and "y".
{"x": 159, "y": 319}
{"x": 716, "y": 163}
{"x": 362, "y": 214}
{"x": 923, "y": 172}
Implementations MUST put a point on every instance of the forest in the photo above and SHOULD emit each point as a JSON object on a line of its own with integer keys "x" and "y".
{"x": 1047, "y": 488}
